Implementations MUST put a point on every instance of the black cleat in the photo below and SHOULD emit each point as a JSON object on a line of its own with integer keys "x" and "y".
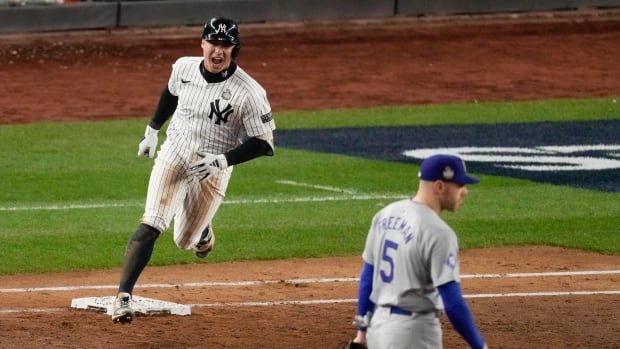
{"x": 206, "y": 243}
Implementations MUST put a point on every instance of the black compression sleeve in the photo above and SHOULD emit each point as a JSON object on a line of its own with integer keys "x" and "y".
{"x": 248, "y": 150}
{"x": 167, "y": 104}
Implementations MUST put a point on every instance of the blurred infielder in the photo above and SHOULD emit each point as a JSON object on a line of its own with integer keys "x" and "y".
{"x": 411, "y": 266}
{"x": 220, "y": 117}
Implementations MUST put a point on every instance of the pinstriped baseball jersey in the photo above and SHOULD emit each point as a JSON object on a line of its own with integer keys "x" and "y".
{"x": 215, "y": 117}
{"x": 413, "y": 251}
{"x": 219, "y": 117}
{"x": 210, "y": 117}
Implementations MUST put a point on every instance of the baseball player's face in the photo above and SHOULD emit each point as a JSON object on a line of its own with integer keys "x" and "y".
{"x": 217, "y": 55}
{"x": 451, "y": 195}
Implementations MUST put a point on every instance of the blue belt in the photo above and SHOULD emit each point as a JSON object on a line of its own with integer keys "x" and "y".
{"x": 400, "y": 311}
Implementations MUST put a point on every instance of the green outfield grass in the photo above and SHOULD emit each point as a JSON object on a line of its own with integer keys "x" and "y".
{"x": 73, "y": 193}
{"x": 456, "y": 114}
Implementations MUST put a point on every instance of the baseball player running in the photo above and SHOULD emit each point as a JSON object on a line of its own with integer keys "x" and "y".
{"x": 220, "y": 117}
{"x": 411, "y": 266}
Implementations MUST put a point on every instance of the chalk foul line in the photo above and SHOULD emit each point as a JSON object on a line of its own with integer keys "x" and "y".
{"x": 347, "y": 194}
{"x": 303, "y": 199}
{"x": 317, "y": 186}
{"x": 354, "y": 300}
{"x": 335, "y": 301}
{"x": 296, "y": 281}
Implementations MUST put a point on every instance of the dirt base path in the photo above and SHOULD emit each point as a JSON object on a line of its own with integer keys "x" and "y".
{"x": 262, "y": 312}
{"x": 119, "y": 74}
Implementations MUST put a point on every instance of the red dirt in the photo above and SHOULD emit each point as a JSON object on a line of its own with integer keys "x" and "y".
{"x": 119, "y": 74}
{"x": 511, "y": 322}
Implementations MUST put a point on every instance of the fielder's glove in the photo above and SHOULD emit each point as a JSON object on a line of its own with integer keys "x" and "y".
{"x": 209, "y": 164}
{"x": 148, "y": 145}
{"x": 352, "y": 345}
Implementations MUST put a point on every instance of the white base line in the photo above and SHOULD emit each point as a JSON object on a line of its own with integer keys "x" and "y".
{"x": 357, "y": 197}
{"x": 540, "y": 274}
{"x": 316, "y": 186}
{"x": 32, "y": 310}
{"x": 333, "y": 301}
{"x": 354, "y": 300}
{"x": 542, "y": 294}
{"x": 292, "y": 281}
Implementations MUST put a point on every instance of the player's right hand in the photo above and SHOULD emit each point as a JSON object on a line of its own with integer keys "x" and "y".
{"x": 148, "y": 145}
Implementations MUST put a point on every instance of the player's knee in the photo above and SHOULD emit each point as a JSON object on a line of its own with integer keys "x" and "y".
{"x": 183, "y": 243}
{"x": 155, "y": 221}
{"x": 145, "y": 233}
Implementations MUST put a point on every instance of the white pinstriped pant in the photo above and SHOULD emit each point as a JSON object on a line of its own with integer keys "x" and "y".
{"x": 172, "y": 193}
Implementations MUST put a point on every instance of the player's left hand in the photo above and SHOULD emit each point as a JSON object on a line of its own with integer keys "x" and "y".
{"x": 209, "y": 164}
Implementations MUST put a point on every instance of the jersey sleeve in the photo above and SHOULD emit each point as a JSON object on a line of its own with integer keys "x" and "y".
{"x": 175, "y": 80}
{"x": 368, "y": 254}
{"x": 444, "y": 258}
{"x": 257, "y": 116}
{"x": 459, "y": 314}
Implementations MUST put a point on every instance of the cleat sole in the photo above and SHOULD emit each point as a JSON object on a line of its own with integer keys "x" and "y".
{"x": 123, "y": 319}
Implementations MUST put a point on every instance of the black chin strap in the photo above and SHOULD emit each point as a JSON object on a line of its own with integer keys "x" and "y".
{"x": 217, "y": 77}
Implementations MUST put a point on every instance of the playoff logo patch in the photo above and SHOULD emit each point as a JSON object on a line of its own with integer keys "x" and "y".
{"x": 451, "y": 260}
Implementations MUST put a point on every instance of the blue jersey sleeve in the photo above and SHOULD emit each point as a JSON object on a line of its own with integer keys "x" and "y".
{"x": 364, "y": 304}
{"x": 459, "y": 315}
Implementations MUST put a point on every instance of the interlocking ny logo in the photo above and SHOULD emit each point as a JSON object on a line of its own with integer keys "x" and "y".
{"x": 220, "y": 115}
{"x": 221, "y": 28}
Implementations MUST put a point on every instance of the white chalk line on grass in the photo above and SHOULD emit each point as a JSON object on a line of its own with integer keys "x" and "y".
{"x": 317, "y": 186}
{"x": 303, "y": 199}
{"x": 54, "y": 207}
{"x": 295, "y": 281}
{"x": 351, "y": 194}
{"x": 338, "y": 301}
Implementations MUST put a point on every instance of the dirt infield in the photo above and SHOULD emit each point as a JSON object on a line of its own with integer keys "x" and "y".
{"x": 94, "y": 75}
{"x": 221, "y": 319}
{"x": 102, "y": 75}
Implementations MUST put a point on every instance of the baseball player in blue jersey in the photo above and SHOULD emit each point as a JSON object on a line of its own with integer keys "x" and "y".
{"x": 411, "y": 266}
{"x": 220, "y": 117}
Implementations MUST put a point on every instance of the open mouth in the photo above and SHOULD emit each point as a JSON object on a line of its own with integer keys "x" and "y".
{"x": 217, "y": 60}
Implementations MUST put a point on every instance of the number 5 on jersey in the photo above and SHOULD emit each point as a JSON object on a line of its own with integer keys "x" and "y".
{"x": 389, "y": 248}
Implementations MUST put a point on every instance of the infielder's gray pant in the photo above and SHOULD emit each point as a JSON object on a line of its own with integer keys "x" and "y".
{"x": 395, "y": 331}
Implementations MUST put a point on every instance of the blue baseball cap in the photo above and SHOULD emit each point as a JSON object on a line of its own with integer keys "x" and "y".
{"x": 445, "y": 167}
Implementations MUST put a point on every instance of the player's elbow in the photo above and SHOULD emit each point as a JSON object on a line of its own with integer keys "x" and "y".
{"x": 266, "y": 147}
{"x": 265, "y": 143}
{"x": 451, "y": 295}
{"x": 270, "y": 151}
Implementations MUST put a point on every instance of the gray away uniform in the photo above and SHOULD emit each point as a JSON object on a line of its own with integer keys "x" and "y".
{"x": 413, "y": 251}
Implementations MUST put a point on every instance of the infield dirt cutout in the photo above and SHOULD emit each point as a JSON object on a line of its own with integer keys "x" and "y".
{"x": 97, "y": 75}
{"x": 266, "y": 314}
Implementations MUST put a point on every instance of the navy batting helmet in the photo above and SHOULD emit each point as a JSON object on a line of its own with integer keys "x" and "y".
{"x": 223, "y": 30}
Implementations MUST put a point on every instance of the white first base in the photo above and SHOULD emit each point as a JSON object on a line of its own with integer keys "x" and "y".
{"x": 145, "y": 306}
